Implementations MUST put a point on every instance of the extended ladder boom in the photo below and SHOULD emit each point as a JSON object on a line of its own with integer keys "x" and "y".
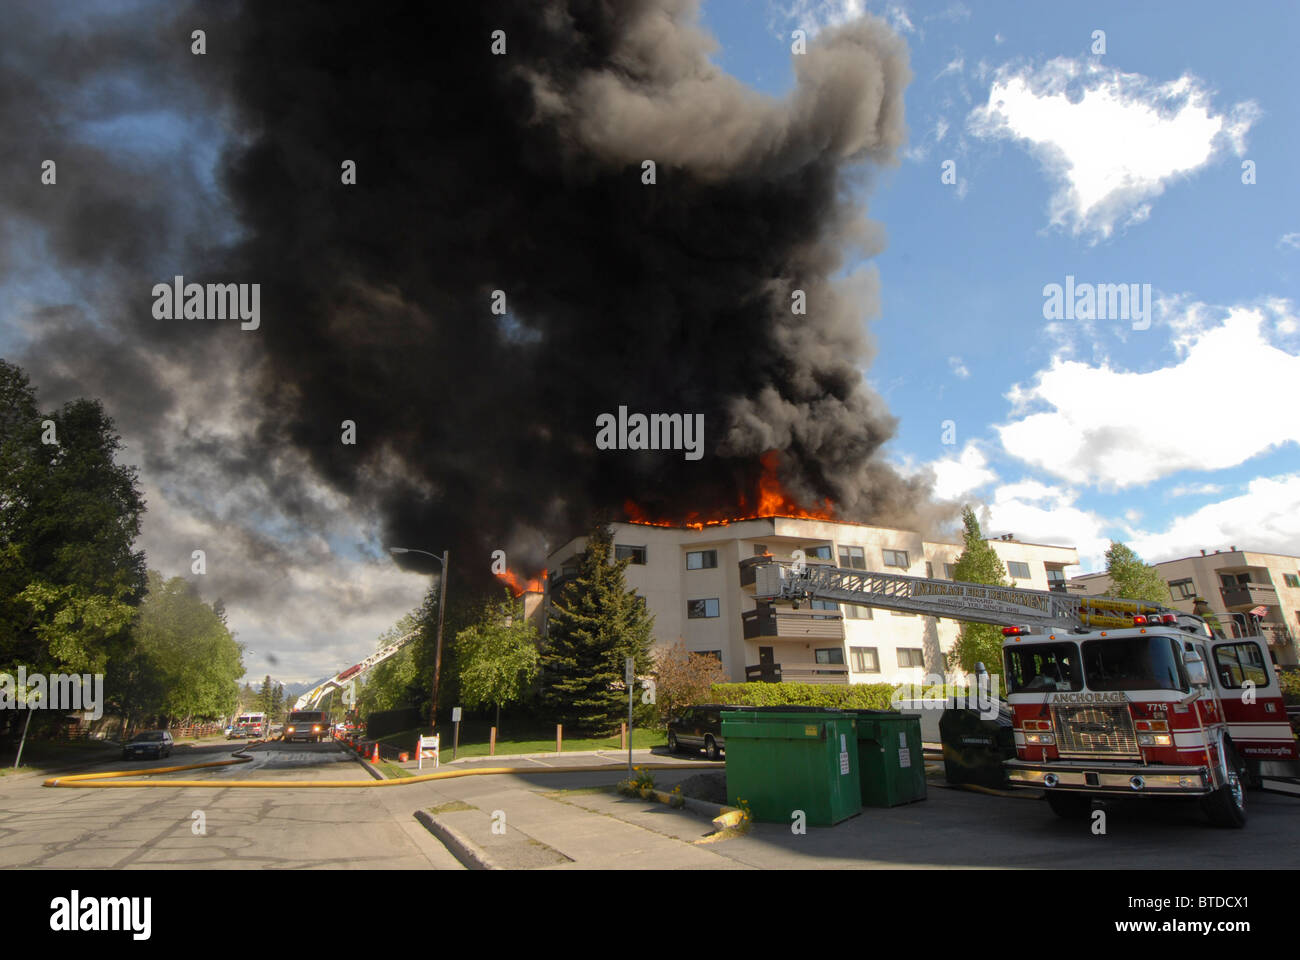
{"x": 336, "y": 682}
{"x": 975, "y": 602}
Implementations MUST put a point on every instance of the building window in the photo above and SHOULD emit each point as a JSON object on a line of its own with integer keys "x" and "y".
{"x": 830, "y": 655}
{"x": 715, "y": 654}
{"x": 929, "y": 569}
{"x": 632, "y": 554}
{"x": 702, "y": 609}
{"x": 911, "y": 657}
{"x": 822, "y": 552}
{"x": 853, "y": 558}
{"x": 760, "y": 549}
{"x": 896, "y": 558}
{"x": 826, "y": 605}
{"x": 950, "y": 571}
{"x": 854, "y": 611}
{"x": 865, "y": 659}
{"x": 1182, "y": 589}
{"x": 701, "y": 559}
{"x": 1291, "y": 579}
{"x": 1055, "y": 578}
{"x": 1018, "y": 570}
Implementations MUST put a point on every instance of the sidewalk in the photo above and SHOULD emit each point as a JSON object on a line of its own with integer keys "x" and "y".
{"x": 495, "y": 826}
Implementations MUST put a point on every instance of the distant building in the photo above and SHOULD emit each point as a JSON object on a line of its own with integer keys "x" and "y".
{"x": 699, "y": 584}
{"x": 1234, "y": 583}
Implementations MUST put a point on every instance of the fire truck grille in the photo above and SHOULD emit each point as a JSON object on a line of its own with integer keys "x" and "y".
{"x": 1095, "y": 730}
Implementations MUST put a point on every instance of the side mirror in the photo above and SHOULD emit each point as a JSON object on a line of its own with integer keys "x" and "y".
{"x": 1196, "y": 671}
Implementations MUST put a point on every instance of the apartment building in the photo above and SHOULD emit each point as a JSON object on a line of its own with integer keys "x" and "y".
{"x": 699, "y": 584}
{"x": 1235, "y": 583}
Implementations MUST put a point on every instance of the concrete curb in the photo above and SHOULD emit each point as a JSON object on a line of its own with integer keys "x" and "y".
{"x": 370, "y": 767}
{"x": 462, "y": 847}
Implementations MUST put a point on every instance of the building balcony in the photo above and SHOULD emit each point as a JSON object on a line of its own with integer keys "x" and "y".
{"x": 769, "y": 623}
{"x": 1249, "y": 595}
{"x": 806, "y": 673}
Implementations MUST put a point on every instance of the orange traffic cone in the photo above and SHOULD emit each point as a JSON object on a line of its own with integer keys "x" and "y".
{"x": 375, "y": 757}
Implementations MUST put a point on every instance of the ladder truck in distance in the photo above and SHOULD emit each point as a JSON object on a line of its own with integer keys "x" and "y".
{"x": 310, "y": 699}
{"x": 1109, "y": 697}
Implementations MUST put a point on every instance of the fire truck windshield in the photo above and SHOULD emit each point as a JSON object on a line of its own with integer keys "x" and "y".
{"x": 1034, "y": 668}
{"x": 1133, "y": 663}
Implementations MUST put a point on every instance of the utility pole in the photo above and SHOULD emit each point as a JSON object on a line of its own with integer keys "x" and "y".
{"x": 442, "y": 612}
{"x": 437, "y": 657}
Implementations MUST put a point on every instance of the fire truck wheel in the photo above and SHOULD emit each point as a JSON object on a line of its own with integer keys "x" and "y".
{"x": 1070, "y": 806}
{"x": 1226, "y": 807}
{"x": 1253, "y": 779}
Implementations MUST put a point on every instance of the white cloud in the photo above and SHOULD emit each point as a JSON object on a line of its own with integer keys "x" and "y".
{"x": 1110, "y": 140}
{"x": 1119, "y": 428}
{"x": 955, "y": 66}
{"x": 1291, "y": 240}
{"x": 1266, "y": 518}
{"x": 1196, "y": 489}
{"x": 959, "y": 368}
{"x": 957, "y": 476}
{"x": 813, "y": 16}
{"x": 1042, "y": 513}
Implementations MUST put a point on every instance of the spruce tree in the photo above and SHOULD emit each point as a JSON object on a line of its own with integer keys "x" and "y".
{"x": 595, "y": 624}
{"x": 1131, "y": 579}
{"x": 978, "y": 563}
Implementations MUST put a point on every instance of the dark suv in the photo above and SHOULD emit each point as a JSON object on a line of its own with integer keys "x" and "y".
{"x": 698, "y": 728}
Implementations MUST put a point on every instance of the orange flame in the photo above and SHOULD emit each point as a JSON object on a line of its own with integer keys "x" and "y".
{"x": 773, "y": 501}
{"x": 520, "y": 586}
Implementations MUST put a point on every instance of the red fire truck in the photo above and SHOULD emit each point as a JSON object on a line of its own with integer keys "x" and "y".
{"x": 1110, "y": 697}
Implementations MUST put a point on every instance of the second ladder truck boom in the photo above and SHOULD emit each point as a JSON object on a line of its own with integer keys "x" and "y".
{"x": 341, "y": 679}
{"x": 1110, "y": 697}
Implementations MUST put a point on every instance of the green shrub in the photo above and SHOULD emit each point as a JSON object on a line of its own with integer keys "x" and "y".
{"x": 861, "y": 696}
{"x": 1289, "y": 681}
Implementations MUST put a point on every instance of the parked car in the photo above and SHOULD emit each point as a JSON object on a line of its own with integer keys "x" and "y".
{"x": 698, "y": 728}
{"x": 150, "y": 743}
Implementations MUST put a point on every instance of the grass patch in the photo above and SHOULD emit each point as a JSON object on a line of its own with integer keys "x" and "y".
{"x": 392, "y": 771}
{"x": 452, "y": 807}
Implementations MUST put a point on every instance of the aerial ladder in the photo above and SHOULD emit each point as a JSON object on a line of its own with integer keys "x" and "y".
{"x": 345, "y": 677}
{"x": 799, "y": 581}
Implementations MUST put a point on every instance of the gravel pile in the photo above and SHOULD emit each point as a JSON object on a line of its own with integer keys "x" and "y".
{"x": 711, "y": 787}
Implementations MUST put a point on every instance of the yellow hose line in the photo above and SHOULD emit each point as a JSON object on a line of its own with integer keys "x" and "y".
{"x": 152, "y": 770}
{"x": 108, "y": 779}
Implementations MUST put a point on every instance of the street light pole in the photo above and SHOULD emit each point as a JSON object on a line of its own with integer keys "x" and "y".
{"x": 442, "y": 610}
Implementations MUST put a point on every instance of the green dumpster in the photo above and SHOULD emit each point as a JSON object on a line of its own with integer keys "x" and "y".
{"x": 786, "y": 759}
{"x": 890, "y": 757}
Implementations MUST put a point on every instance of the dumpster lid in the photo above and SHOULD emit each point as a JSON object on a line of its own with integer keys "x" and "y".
{"x": 786, "y": 708}
{"x": 862, "y": 711}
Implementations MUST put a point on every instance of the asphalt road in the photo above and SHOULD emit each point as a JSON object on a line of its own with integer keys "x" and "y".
{"x": 44, "y": 827}
{"x": 157, "y": 828}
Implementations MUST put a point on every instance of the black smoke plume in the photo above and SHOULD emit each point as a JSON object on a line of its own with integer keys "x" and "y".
{"x": 478, "y": 172}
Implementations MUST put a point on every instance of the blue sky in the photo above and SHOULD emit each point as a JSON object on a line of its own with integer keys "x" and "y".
{"x": 1117, "y": 167}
